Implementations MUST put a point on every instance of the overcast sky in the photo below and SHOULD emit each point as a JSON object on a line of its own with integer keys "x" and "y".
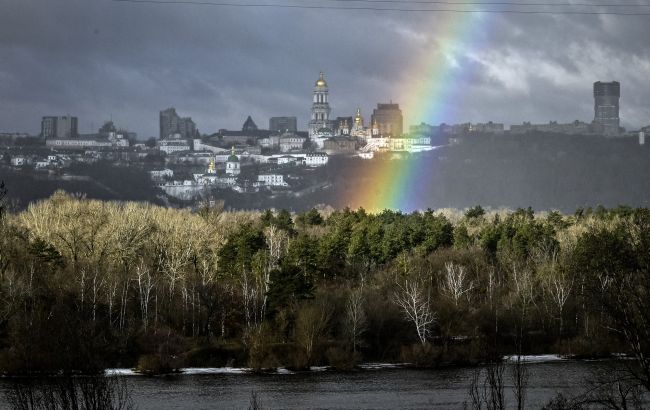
{"x": 97, "y": 58}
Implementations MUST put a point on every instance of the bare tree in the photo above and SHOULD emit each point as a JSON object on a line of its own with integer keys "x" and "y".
{"x": 311, "y": 322}
{"x": 355, "y": 316}
{"x": 145, "y": 286}
{"x": 415, "y": 301}
{"x": 455, "y": 283}
{"x": 559, "y": 286}
{"x": 93, "y": 392}
{"x": 520, "y": 381}
{"x": 486, "y": 389}
{"x": 524, "y": 288}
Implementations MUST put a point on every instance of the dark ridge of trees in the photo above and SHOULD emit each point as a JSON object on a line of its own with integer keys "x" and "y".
{"x": 108, "y": 183}
{"x": 543, "y": 171}
{"x": 86, "y": 284}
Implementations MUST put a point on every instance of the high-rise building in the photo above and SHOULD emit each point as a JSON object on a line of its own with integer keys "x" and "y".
{"x": 320, "y": 108}
{"x": 388, "y": 119}
{"x": 171, "y": 123}
{"x": 283, "y": 124}
{"x": 59, "y": 127}
{"x": 606, "y": 106}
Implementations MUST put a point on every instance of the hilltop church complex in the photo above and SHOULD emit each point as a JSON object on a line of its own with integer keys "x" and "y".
{"x": 384, "y": 133}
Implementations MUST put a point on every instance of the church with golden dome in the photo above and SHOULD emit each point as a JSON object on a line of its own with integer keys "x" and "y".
{"x": 320, "y": 126}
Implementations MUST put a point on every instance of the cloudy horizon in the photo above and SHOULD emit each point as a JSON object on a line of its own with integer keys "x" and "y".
{"x": 102, "y": 59}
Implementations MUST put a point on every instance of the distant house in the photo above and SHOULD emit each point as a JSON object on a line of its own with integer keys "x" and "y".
{"x": 175, "y": 145}
{"x": 41, "y": 164}
{"x": 79, "y": 143}
{"x": 272, "y": 180}
{"x": 286, "y": 159}
{"x": 161, "y": 174}
{"x": 290, "y": 141}
{"x": 316, "y": 159}
{"x": 18, "y": 161}
{"x": 339, "y": 145}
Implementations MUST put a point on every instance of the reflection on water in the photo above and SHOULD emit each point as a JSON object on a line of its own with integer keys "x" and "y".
{"x": 371, "y": 389}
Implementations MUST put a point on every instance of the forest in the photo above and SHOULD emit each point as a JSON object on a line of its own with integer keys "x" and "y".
{"x": 89, "y": 284}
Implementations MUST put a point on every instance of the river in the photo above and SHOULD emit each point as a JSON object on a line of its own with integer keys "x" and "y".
{"x": 374, "y": 388}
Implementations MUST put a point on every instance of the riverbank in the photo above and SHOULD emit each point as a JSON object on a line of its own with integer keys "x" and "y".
{"x": 383, "y": 388}
{"x": 191, "y": 371}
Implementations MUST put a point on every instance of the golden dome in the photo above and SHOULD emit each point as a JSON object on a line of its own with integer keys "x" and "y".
{"x": 321, "y": 80}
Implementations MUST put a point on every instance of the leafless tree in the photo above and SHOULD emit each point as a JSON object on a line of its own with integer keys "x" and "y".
{"x": 94, "y": 392}
{"x": 455, "y": 282}
{"x": 524, "y": 282}
{"x": 355, "y": 316}
{"x": 145, "y": 286}
{"x": 255, "y": 402}
{"x": 311, "y": 322}
{"x": 559, "y": 286}
{"x": 520, "y": 375}
{"x": 486, "y": 389}
{"x": 415, "y": 301}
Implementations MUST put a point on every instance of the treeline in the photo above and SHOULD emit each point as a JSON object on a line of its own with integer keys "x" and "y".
{"x": 86, "y": 284}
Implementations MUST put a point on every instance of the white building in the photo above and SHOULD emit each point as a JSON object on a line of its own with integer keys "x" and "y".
{"x": 18, "y": 161}
{"x": 272, "y": 180}
{"x": 185, "y": 190}
{"x": 202, "y": 146}
{"x": 320, "y": 109}
{"x": 171, "y": 146}
{"x": 291, "y": 142}
{"x": 316, "y": 159}
{"x": 160, "y": 174}
{"x": 81, "y": 143}
{"x": 272, "y": 141}
{"x": 415, "y": 143}
{"x": 232, "y": 164}
{"x": 286, "y": 159}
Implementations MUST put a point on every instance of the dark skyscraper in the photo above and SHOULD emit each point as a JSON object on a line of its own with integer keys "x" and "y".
{"x": 59, "y": 127}
{"x": 282, "y": 124}
{"x": 606, "y": 108}
{"x": 388, "y": 119}
{"x": 171, "y": 124}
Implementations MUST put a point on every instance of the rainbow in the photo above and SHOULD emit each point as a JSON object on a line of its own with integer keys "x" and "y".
{"x": 435, "y": 90}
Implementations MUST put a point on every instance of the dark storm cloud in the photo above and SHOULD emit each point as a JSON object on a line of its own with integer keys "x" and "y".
{"x": 100, "y": 58}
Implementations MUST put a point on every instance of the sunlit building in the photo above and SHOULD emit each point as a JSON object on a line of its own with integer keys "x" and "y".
{"x": 320, "y": 123}
{"x": 388, "y": 119}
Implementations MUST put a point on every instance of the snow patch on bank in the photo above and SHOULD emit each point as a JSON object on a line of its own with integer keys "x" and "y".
{"x": 542, "y": 358}
{"x": 215, "y": 370}
{"x": 121, "y": 372}
{"x": 185, "y": 371}
{"x": 192, "y": 371}
{"x": 380, "y": 366}
{"x": 318, "y": 368}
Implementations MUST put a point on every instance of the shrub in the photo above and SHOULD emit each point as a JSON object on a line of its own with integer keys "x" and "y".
{"x": 342, "y": 359}
{"x": 421, "y": 355}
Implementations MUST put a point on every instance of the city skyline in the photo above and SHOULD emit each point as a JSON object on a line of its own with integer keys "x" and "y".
{"x": 226, "y": 65}
{"x": 194, "y": 128}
